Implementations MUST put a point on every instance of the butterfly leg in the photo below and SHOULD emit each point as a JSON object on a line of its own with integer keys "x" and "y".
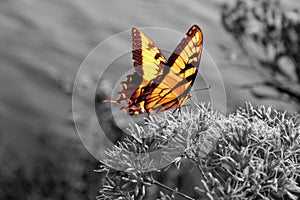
{"x": 178, "y": 110}
{"x": 174, "y": 111}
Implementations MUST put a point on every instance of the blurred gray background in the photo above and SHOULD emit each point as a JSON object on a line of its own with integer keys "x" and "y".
{"x": 42, "y": 45}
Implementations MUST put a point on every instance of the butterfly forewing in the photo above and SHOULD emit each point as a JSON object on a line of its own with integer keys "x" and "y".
{"x": 148, "y": 62}
{"x": 147, "y": 58}
{"x": 179, "y": 75}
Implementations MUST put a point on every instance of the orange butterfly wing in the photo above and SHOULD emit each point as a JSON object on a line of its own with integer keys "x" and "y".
{"x": 180, "y": 72}
{"x": 148, "y": 62}
{"x": 159, "y": 85}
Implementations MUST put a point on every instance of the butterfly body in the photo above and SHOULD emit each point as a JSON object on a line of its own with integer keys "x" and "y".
{"x": 159, "y": 84}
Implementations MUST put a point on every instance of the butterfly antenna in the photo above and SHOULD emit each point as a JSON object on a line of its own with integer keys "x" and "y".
{"x": 206, "y": 88}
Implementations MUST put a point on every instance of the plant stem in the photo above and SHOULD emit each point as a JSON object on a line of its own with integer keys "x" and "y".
{"x": 171, "y": 190}
{"x": 201, "y": 172}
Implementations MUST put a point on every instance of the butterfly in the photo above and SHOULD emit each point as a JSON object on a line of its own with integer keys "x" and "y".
{"x": 158, "y": 84}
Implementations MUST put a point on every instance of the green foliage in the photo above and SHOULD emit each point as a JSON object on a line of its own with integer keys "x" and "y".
{"x": 251, "y": 154}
